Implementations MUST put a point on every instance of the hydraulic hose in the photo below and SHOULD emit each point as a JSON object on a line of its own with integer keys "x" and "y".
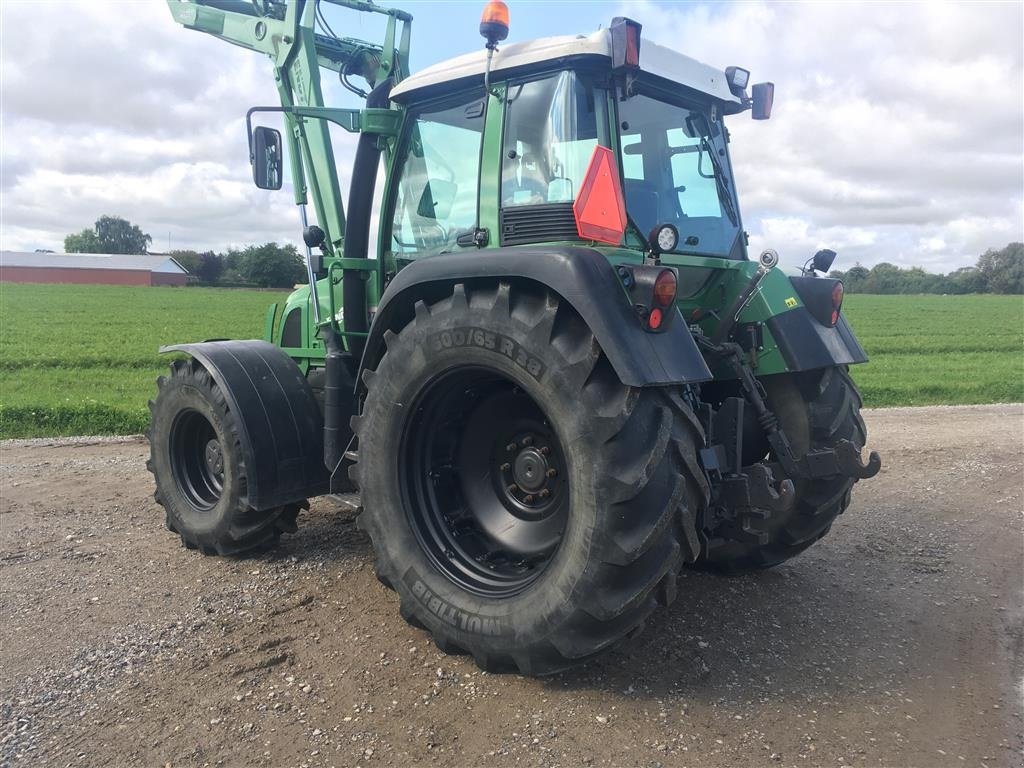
{"x": 338, "y": 383}
{"x": 766, "y": 262}
{"x": 357, "y": 234}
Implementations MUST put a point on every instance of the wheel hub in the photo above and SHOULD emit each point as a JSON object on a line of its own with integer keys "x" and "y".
{"x": 530, "y": 469}
{"x": 527, "y": 471}
{"x": 214, "y": 458}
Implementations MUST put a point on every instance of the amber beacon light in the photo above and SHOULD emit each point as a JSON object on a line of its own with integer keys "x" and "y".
{"x": 494, "y": 22}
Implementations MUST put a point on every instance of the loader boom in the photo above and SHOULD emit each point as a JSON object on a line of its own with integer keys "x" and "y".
{"x": 286, "y": 32}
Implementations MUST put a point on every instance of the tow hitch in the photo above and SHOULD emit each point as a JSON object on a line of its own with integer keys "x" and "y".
{"x": 843, "y": 459}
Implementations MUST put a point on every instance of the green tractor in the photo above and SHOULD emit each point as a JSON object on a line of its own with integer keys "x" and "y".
{"x": 558, "y": 380}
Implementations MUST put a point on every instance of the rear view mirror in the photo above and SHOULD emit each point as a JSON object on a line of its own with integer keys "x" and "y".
{"x": 266, "y": 158}
{"x": 822, "y": 260}
{"x": 437, "y": 199}
{"x": 761, "y": 96}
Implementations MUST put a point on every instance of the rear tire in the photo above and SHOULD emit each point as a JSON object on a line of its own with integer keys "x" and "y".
{"x": 815, "y": 409}
{"x": 196, "y": 460}
{"x": 459, "y": 526}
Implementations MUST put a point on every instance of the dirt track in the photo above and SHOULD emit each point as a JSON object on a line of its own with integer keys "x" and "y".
{"x": 895, "y": 641}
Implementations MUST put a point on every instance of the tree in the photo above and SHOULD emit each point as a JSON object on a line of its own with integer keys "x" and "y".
{"x": 207, "y": 266}
{"x": 84, "y": 242}
{"x": 966, "y": 280}
{"x": 188, "y": 259}
{"x": 210, "y": 268}
{"x": 269, "y": 265}
{"x": 110, "y": 234}
{"x": 884, "y": 278}
{"x": 1003, "y": 270}
{"x": 853, "y": 279}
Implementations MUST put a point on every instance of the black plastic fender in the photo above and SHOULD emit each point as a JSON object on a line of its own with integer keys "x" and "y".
{"x": 281, "y": 424}
{"x": 581, "y": 276}
{"x": 805, "y": 341}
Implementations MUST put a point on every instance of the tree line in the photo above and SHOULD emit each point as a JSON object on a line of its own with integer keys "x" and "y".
{"x": 280, "y": 266}
{"x": 997, "y": 271}
{"x": 266, "y": 266}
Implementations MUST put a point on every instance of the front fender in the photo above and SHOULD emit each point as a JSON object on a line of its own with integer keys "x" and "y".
{"x": 582, "y": 277}
{"x": 280, "y": 424}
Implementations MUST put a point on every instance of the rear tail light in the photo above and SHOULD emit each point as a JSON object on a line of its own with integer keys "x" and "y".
{"x": 665, "y": 288}
{"x": 837, "y": 301}
{"x": 652, "y": 292}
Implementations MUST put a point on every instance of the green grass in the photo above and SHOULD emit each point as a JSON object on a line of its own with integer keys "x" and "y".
{"x": 939, "y": 350}
{"x": 83, "y": 359}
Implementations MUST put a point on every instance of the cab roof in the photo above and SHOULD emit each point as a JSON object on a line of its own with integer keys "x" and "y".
{"x": 654, "y": 59}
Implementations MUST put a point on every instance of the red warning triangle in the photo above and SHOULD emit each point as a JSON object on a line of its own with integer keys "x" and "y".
{"x": 599, "y": 209}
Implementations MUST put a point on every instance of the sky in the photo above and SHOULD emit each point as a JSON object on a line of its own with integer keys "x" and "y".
{"x": 897, "y": 133}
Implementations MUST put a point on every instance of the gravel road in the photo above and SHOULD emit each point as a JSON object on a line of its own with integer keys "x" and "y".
{"x": 896, "y": 641}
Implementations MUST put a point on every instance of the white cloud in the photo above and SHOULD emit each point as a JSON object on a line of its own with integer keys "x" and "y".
{"x": 896, "y": 127}
{"x": 897, "y": 132}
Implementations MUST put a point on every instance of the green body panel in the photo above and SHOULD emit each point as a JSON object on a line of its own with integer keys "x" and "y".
{"x": 716, "y": 282}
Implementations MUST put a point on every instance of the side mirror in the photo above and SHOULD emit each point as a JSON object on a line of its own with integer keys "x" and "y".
{"x": 437, "y": 199}
{"x": 266, "y": 158}
{"x": 822, "y": 261}
{"x": 761, "y": 97}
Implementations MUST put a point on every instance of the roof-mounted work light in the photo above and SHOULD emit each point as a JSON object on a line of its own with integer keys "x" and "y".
{"x": 625, "y": 43}
{"x": 737, "y": 77}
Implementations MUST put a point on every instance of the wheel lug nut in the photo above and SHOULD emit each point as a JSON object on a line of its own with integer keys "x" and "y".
{"x": 511, "y": 447}
{"x": 529, "y": 499}
{"x": 527, "y": 441}
{"x": 513, "y": 488}
{"x": 552, "y": 472}
{"x": 545, "y": 451}
{"x": 544, "y": 493}
{"x": 506, "y": 467}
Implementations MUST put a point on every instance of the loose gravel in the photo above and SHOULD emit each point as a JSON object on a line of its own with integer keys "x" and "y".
{"x": 897, "y": 640}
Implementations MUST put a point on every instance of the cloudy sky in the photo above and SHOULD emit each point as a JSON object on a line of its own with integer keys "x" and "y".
{"x": 897, "y": 132}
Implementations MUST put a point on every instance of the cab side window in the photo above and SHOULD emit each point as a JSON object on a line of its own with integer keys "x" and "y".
{"x": 551, "y": 129}
{"x": 437, "y": 187}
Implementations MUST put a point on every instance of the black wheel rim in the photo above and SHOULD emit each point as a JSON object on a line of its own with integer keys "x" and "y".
{"x": 197, "y": 459}
{"x": 484, "y": 479}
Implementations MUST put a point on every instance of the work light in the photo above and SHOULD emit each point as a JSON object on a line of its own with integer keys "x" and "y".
{"x": 737, "y": 77}
{"x": 663, "y": 239}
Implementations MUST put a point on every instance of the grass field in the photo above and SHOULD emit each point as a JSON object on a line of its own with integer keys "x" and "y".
{"x": 83, "y": 360}
{"x": 77, "y": 359}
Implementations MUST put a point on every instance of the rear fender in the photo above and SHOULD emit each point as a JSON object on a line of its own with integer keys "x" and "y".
{"x": 280, "y": 424}
{"x": 804, "y": 337}
{"x": 582, "y": 277}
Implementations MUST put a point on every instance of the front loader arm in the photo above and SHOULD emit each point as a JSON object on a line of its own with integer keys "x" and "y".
{"x": 285, "y": 32}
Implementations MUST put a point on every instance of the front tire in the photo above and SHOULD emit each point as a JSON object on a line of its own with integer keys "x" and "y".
{"x": 816, "y": 409}
{"x": 196, "y": 460}
{"x": 528, "y": 507}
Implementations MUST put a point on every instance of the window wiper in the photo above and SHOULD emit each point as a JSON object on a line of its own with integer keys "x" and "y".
{"x": 721, "y": 183}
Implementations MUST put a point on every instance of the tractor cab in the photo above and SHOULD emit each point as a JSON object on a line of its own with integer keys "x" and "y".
{"x": 504, "y": 166}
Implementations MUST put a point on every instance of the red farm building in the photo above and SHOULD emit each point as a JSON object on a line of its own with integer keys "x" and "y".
{"x": 90, "y": 268}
